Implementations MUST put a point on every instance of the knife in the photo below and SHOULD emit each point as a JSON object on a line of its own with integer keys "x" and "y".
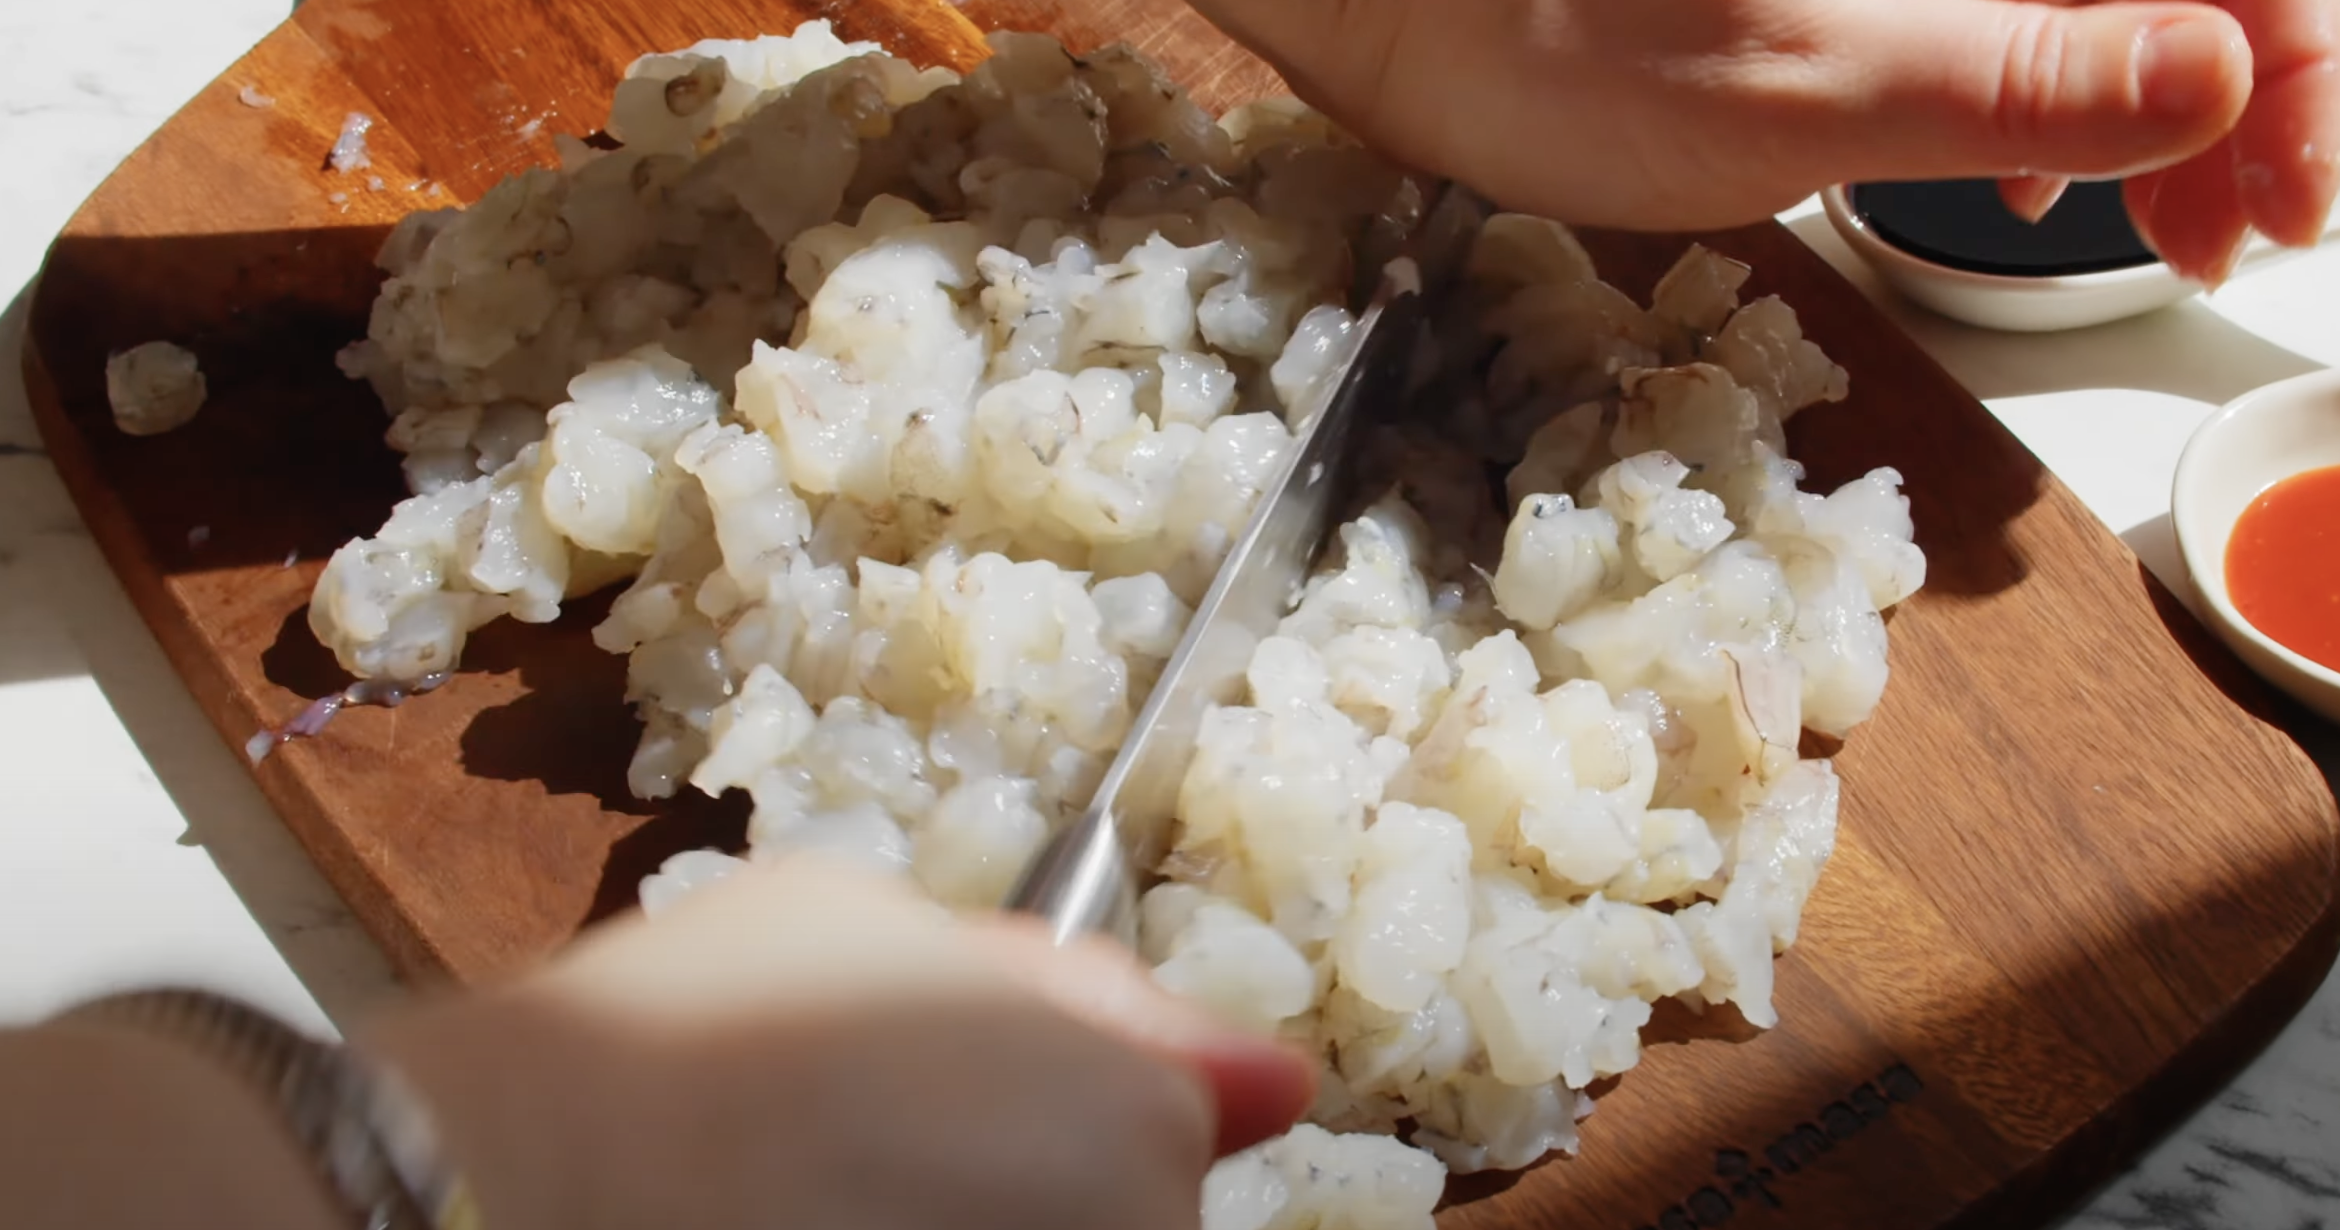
{"x": 1087, "y": 878}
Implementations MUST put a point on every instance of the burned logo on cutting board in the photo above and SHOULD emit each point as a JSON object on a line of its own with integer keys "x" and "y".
{"x": 1745, "y": 1179}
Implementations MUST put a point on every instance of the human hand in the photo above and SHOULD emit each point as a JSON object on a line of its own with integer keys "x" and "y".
{"x": 1695, "y": 114}
{"x": 803, "y": 1044}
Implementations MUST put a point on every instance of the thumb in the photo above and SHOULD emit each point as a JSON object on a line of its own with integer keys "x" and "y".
{"x": 1260, "y": 1086}
{"x": 2001, "y": 88}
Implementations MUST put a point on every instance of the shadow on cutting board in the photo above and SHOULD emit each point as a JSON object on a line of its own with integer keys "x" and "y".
{"x": 286, "y": 457}
{"x": 2319, "y": 738}
{"x": 571, "y": 731}
{"x": 567, "y": 731}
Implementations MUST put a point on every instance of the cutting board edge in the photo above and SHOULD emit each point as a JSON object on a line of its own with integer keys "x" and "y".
{"x": 231, "y": 716}
{"x": 2059, "y": 1181}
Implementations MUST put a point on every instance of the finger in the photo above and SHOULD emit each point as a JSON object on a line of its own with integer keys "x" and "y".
{"x": 2030, "y": 197}
{"x": 1345, "y": 57}
{"x": 2287, "y": 156}
{"x": 2196, "y": 218}
{"x": 1967, "y": 87}
{"x": 817, "y": 931}
{"x": 2287, "y": 148}
{"x": 2138, "y": 192}
{"x": 813, "y": 930}
{"x": 1261, "y": 1085}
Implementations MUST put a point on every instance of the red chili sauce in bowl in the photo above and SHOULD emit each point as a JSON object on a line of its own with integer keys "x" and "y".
{"x": 2283, "y": 564}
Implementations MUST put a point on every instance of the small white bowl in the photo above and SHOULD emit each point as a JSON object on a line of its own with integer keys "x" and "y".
{"x": 2254, "y": 442}
{"x": 2027, "y": 305}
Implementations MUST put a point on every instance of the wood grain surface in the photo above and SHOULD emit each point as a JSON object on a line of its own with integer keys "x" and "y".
{"x": 2083, "y": 873}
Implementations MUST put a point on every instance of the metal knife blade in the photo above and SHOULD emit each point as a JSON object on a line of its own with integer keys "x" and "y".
{"x": 1087, "y": 878}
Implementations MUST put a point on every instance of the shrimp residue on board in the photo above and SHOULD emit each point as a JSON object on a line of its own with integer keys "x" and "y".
{"x": 388, "y": 693}
{"x": 349, "y": 149}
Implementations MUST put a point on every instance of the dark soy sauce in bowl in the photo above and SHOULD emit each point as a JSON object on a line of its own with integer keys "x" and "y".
{"x": 1962, "y": 224}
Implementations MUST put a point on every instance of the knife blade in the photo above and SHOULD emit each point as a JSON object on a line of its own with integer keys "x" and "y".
{"x": 1087, "y": 878}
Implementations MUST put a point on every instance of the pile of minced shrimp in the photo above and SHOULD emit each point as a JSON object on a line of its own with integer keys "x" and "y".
{"x": 916, "y": 411}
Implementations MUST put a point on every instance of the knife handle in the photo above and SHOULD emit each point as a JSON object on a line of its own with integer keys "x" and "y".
{"x": 1081, "y": 883}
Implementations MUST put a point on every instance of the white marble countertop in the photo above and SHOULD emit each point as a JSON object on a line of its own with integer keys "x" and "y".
{"x": 134, "y": 848}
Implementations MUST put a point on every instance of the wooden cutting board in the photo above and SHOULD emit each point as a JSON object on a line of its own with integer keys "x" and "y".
{"x": 2082, "y": 874}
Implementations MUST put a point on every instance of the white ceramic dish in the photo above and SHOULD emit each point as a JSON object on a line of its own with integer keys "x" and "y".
{"x": 2257, "y": 440}
{"x": 2025, "y": 305}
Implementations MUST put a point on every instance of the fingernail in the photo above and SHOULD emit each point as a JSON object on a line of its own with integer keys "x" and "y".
{"x": 2145, "y": 236}
{"x": 2254, "y": 189}
{"x": 2180, "y": 67}
{"x": 2140, "y": 210}
{"x": 2223, "y": 268}
{"x": 2031, "y": 199}
{"x": 2254, "y": 183}
{"x": 2296, "y": 219}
